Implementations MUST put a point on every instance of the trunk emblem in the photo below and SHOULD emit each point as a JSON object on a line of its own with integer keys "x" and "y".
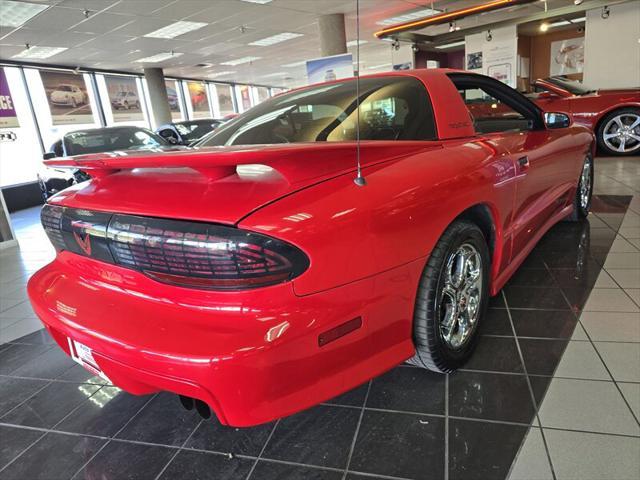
{"x": 83, "y": 243}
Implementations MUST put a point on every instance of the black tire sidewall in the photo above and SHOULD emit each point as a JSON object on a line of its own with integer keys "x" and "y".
{"x": 580, "y": 211}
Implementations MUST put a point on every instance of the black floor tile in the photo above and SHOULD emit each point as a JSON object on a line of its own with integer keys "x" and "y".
{"x": 410, "y": 390}
{"x": 496, "y": 322}
{"x": 481, "y": 450}
{"x": 577, "y": 297}
{"x": 353, "y": 398}
{"x": 15, "y": 440}
{"x": 319, "y": 436}
{"x": 400, "y": 444}
{"x": 16, "y": 356}
{"x": 211, "y": 435}
{"x": 533, "y": 261}
{"x": 39, "y": 337}
{"x": 207, "y": 466}
{"x": 14, "y": 391}
{"x": 279, "y": 471}
{"x": 497, "y": 301}
{"x": 162, "y": 421}
{"x": 50, "y": 405}
{"x": 55, "y": 456}
{"x": 106, "y": 413}
{"x": 543, "y": 323}
{"x": 539, "y": 385}
{"x": 79, "y": 374}
{"x": 536, "y": 297}
{"x": 496, "y": 355}
{"x": 131, "y": 461}
{"x": 51, "y": 364}
{"x": 490, "y": 396}
{"x": 541, "y": 357}
{"x": 584, "y": 278}
{"x": 531, "y": 277}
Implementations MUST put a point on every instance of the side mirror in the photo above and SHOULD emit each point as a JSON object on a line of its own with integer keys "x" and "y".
{"x": 49, "y": 156}
{"x": 556, "y": 120}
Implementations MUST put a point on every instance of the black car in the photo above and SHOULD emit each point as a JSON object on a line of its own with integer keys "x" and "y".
{"x": 189, "y": 131}
{"x": 95, "y": 140}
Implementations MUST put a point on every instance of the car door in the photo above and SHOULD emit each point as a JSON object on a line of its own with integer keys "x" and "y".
{"x": 543, "y": 182}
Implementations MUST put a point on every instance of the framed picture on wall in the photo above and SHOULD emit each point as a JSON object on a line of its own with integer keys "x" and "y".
{"x": 567, "y": 56}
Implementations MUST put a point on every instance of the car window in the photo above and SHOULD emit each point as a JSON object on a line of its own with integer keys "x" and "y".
{"x": 391, "y": 108}
{"x": 492, "y": 106}
{"x": 64, "y": 88}
{"x": 99, "y": 141}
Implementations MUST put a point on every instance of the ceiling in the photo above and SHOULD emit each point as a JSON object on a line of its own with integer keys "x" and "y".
{"x": 110, "y": 34}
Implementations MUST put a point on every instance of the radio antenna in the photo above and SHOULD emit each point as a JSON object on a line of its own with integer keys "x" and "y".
{"x": 359, "y": 180}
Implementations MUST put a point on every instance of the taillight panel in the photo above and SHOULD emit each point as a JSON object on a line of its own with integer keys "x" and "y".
{"x": 189, "y": 254}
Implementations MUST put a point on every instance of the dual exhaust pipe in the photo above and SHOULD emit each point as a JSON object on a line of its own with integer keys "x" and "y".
{"x": 201, "y": 407}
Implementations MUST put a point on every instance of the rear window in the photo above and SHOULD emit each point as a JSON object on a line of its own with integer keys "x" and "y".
{"x": 391, "y": 108}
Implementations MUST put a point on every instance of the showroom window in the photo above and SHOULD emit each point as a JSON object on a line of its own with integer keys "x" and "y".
{"x": 225, "y": 101}
{"x": 198, "y": 105}
{"x": 243, "y": 97}
{"x": 123, "y": 100}
{"x": 20, "y": 150}
{"x": 176, "y": 99}
{"x": 63, "y": 102}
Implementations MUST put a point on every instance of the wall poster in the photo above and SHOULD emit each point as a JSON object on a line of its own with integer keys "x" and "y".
{"x": 326, "y": 69}
{"x": 225, "y": 99}
{"x": 126, "y": 104}
{"x": 567, "y": 56}
{"x": 67, "y": 97}
{"x": 199, "y": 99}
{"x": 8, "y": 116}
{"x": 174, "y": 100}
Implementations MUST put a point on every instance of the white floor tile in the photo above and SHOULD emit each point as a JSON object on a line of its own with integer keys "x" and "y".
{"x": 612, "y": 326}
{"x": 610, "y": 300}
{"x": 580, "y": 360}
{"x": 532, "y": 461}
{"x": 622, "y": 360}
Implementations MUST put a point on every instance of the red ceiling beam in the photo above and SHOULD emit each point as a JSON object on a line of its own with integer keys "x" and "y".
{"x": 446, "y": 17}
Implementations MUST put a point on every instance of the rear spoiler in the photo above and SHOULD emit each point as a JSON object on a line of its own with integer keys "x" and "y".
{"x": 217, "y": 162}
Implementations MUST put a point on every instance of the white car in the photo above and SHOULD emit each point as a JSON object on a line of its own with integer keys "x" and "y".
{"x": 65, "y": 94}
{"x": 126, "y": 100}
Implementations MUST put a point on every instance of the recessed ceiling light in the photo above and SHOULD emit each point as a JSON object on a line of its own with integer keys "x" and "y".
{"x": 407, "y": 17}
{"x": 451, "y": 45}
{"x": 273, "y": 39}
{"x": 240, "y": 61}
{"x": 176, "y": 29}
{"x": 294, "y": 64}
{"x": 353, "y": 43}
{"x": 261, "y": 2}
{"x": 35, "y": 52}
{"x": 159, "y": 57}
{"x": 15, "y": 14}
{"x": 544, "y": 27}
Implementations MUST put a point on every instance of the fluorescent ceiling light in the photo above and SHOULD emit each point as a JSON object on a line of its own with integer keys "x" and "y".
{"x": 260, "y": 2}
{"x": 276, "y": 74}
{"x": 373, "y": 67}
{"x": 353, "y": 43}
{"x": 294, "y": 64}
{"x": 450, "y": 45}
{"x": 273, "y": 39}
{"x": 220, "y": 74}
{"x": 407, "y": 17}
{"x": 567, "y": 22}
{"x": 40, "y": 52}
{"x": 240, "y": 61}
{"x": 176, "y": 29}
{"x": 15, "y": 14}
{"x": 159, "y": 57}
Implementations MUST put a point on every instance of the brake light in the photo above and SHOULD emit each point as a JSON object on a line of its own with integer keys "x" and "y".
{"x": 188, "y": 254}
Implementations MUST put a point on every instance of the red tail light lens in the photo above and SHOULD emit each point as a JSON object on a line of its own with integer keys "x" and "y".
{"x": 188, "y": 254}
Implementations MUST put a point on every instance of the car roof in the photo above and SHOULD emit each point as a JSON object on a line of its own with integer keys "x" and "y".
{"x": 109, "y": 130}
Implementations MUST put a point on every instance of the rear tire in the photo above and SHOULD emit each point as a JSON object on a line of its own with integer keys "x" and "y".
{"x": 446, "y": 316}
{"x": 615, "y": 133}
{"x": 584, "y": 192}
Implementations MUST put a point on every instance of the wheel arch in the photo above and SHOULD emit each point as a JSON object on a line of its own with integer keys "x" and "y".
{"x": 604, "y": 113}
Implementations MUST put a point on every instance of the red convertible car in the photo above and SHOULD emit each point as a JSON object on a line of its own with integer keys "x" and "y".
{"x": 254, "y": 276}
{"x": 613, "y": 115}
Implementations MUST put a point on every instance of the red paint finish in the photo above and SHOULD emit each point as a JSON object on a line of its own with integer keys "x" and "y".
{"x": 588, "y": 109}
{"x": 255, "y": 355}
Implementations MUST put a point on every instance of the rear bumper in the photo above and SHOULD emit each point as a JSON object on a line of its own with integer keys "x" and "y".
{"x": 252, "y": 356}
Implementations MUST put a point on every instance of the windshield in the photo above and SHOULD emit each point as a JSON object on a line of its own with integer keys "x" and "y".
{"x": 64, "y": 88}
{"x": 572, "y": 86}
{"x": 391, "y": 108}
{"x": 194, "y": 130}
{"x": 100, "y": 141}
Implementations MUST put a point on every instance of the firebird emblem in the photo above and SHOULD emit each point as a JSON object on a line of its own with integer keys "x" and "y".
{"x": 83, "y": 243}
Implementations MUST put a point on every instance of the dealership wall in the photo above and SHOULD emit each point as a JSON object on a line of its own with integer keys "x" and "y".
{"x": 612, "y": 47}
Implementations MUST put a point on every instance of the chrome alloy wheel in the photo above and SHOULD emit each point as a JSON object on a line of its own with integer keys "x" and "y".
{"x": 585, "y": 184}
{"x": 622, "y": 133}
{"x": 461, "y": 296}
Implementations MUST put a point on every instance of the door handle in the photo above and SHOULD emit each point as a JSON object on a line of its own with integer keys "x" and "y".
{"x": 523, "y": 162}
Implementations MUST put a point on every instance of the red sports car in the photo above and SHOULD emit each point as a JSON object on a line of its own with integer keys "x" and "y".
{"x": 254, "y": 276}
{"x": 613, "y": 115}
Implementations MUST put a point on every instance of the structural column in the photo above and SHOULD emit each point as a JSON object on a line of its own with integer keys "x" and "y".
{"x": 158, "y": 96}
{"x": 333, "y": 39}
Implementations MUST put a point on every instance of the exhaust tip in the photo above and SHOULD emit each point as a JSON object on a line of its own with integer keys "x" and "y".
{"x": 203, "y": 409}
{"x": 187, "y": 402}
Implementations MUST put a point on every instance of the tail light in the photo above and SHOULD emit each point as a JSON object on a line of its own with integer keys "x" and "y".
{"x": 188, "y": 254}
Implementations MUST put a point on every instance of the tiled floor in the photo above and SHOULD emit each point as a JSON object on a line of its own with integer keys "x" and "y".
{"x": 552, "y": 392}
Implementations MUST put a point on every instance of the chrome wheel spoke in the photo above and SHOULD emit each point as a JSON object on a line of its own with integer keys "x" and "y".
{"x": 621, "y": 133}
